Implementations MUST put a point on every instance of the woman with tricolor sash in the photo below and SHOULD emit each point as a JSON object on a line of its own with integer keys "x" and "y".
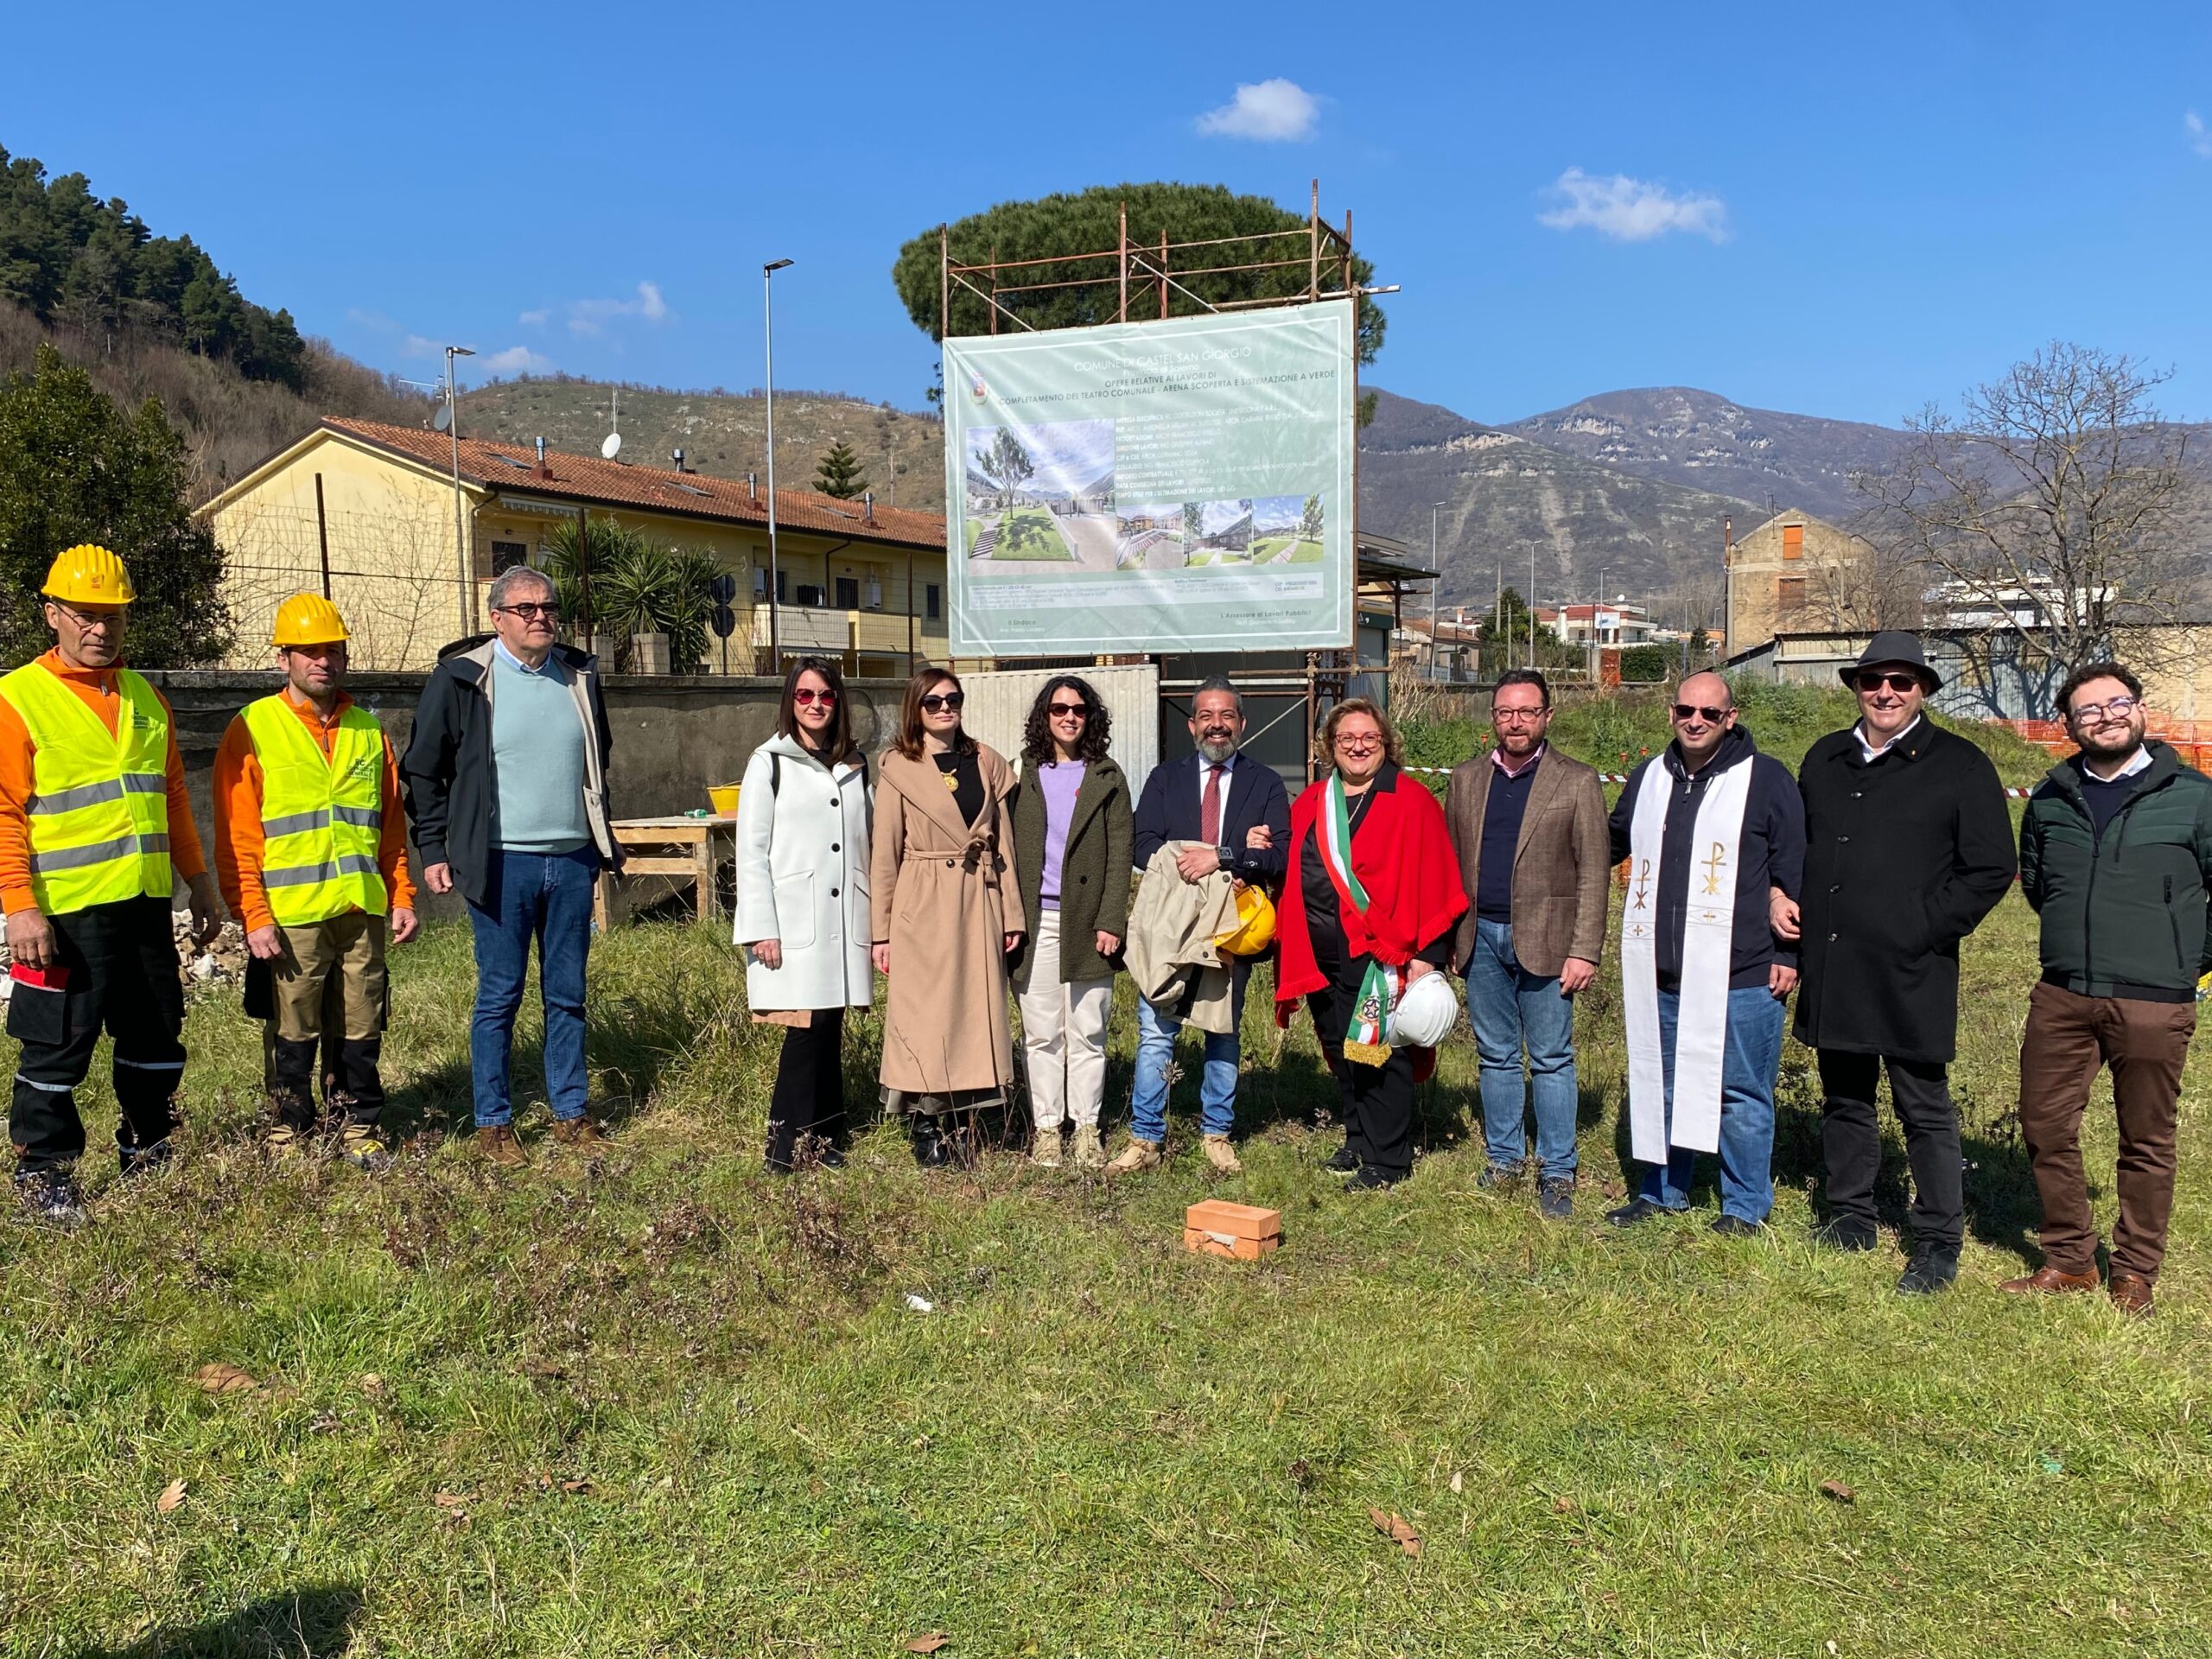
{"x": 1369, "y": 907}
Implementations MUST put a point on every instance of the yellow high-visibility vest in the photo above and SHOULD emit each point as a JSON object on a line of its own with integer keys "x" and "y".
{"x": 99, "y": 805}
{"x": 321, "y": 817}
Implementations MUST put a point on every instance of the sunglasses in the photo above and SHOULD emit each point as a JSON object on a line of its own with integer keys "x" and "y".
{"x": 528, "y": 609}
{"x": 955, "y": 701}
{"x": 1711, "y": 716}
{"x": 807, "y": 696}
{"x": 1064, "y": 710}
{"x": 1872, "y": 682}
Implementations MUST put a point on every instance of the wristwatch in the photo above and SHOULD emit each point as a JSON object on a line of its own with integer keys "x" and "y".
{"x": 1227, "y": 854}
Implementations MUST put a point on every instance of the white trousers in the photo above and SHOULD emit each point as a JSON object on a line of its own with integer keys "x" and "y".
{"x": 1063, "y": 1035}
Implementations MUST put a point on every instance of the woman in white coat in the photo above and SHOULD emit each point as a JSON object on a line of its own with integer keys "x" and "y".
{"x": 802, "y": 824}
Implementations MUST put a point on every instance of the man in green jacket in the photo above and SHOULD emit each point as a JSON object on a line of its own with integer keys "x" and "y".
{"x": 2116, "y": 858}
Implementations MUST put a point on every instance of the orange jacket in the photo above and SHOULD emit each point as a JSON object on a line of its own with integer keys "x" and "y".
{"x": 239, "y": 840}
{"x": 97, "y": 687}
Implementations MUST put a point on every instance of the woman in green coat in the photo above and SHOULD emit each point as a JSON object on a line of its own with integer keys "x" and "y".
{"x": 1072, "y": 858}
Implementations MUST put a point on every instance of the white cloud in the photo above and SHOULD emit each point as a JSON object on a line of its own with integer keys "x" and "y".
{"x": 1273, "y": 111}
{"x": 419, "y": 346}
{"x": 1631, "y": 210}
{"x": 590, "y": 316}
{"x": 516, "y": 359}
{"x": 533, "y": 319}
{"x": 2199, "y": 137}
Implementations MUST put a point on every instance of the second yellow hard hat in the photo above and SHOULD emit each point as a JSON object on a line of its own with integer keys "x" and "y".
{"x": 89, "y": 575}
{"x": 308, "y": 619}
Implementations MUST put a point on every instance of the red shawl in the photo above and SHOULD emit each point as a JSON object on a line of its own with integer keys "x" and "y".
{"x": 1402, "y": 854}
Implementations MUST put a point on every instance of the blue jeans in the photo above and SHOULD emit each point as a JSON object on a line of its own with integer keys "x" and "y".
{"x": 1156, "y": 1034}
{"x": 1749, "y": 1060}
{"x": 546, "y": 897}
{"x": 1511, "y": 1009}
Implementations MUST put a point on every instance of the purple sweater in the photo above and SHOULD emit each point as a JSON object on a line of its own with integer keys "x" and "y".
{"x": 1060, "y": 780}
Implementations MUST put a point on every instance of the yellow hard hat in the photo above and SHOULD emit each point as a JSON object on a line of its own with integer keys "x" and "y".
{"x": 308, "y": 619}
{"x": 1255, "y": 924}
{"x": 89, "y": 575}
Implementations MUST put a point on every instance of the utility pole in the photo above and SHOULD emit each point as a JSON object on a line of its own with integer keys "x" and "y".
{"x": 459, "y": 535}
{"x": 1532, "y": 604}
{"x": 768, "y": 324}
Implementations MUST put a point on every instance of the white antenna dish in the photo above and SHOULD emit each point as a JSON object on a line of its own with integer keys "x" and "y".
{"x": 442, "y": 419}
{"x": 612, "y": 447}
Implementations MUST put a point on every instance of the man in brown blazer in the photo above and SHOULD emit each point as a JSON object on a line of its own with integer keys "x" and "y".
{"x": 1529, "y": 828}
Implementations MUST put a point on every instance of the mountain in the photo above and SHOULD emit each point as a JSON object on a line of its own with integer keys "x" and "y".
{"x": 1703, "y": 441}
{"x": 722, "y": 433}
{"x": 1589, "y": 522}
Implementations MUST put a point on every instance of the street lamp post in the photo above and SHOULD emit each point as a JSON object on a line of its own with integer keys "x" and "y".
{"x": 768, "y": 324}
{"x": 1434, "y": 580}
{"x": 1532, "y": 604}
{"x": 459, "y": 535}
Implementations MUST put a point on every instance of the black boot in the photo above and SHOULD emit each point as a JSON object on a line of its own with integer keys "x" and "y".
{"x": 359, "y": 1099}
{"x": 931, "y": 1149}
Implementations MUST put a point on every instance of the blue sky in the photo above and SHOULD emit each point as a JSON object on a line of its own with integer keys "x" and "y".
{"x": 1840, "y": 211}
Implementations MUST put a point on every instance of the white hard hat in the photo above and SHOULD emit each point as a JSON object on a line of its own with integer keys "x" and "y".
{"x": 1426, "y": 1012}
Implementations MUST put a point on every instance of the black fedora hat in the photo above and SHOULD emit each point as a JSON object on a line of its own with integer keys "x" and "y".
{"x": 1894, "y": 645}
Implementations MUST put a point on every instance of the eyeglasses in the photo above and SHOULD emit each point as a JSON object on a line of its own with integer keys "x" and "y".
{"x": 530, "y": 608}
{"x": 1518, "y": 717}
{"x": 111, "y": 620}
{"x": 2098, "y": 713}
{"x": 954, "y": 701}
{"x": 807, "y": 696}
{"x": 1711, "y": 716}
{"x": 1872, "y": 681}
{"x": 1066, "y": 710}
{"x": 1354, "y": 745}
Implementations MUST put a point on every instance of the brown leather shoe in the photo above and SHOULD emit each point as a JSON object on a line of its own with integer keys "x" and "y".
{"x": 2047, "y": 1278}
{"x": 578, "y": 1132}
{"x": 2131, "y": 1292}
{"x": 497, "y": 1144}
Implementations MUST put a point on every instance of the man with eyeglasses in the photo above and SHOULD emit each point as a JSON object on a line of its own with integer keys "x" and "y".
{"x": 2116, "y": 859}
{"x": 1529, "y": 826}
{"x": 506, "y": 788}
{"x": 95, "y": 827}
{"x": 1710, "y": 828}
{"x": 1909, "y": 845}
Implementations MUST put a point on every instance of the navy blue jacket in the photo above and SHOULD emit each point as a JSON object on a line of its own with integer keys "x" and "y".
{"x": 1169, "y": 811}
{"x": 1772, "y": 849}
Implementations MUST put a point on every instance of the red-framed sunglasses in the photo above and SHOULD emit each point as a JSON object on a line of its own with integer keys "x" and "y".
{"x": 806, "y": 696}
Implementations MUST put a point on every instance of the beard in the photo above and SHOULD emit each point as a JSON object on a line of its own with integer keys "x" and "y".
{"x": 1217, "y": 749}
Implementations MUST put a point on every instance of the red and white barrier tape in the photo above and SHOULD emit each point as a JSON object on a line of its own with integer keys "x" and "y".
{"x": 1622, "y": 778}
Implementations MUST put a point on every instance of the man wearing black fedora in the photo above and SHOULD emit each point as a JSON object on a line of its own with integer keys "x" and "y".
{"x": 1908, "y": 847}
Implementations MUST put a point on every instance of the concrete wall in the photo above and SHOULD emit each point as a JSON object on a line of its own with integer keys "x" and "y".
{"x": 673, "y": 736}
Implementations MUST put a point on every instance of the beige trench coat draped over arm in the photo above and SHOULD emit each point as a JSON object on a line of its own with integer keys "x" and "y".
{"x": 942, "y": 896}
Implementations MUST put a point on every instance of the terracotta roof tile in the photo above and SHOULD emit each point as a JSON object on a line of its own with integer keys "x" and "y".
{"x": 596, "y": 482}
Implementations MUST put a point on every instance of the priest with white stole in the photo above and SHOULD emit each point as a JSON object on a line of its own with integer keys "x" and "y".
{"x": 1708, "y": 826}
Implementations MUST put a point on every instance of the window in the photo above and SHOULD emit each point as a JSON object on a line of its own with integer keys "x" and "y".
{"x": 935, "y": 601}
{"x": 1790, "y": 593}
{"x": 1793, "y": 541}
{"x": 809, "y": 594}
{"x": 783, "y": 587}
{"x": 848, "y": 592}
{"x": 759, "y": 582}
{"x": 506, "y": 555}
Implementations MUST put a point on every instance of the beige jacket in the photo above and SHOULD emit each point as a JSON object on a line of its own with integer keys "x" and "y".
{"x": 1171, "y": 951}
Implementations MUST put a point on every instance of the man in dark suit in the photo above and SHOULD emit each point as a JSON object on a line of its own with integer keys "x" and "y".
{"x": 1237, "y": 814}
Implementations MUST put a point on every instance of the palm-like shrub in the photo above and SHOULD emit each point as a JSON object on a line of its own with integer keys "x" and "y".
{"x": 638, "y": 586}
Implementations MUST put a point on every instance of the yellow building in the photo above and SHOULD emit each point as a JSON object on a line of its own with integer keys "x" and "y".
{"x": 1795, "y": 573}
{"x": 373, "y": 506}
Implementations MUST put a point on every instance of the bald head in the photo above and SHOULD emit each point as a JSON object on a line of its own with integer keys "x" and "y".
{"x": 1707, "y": 687}
{"x": 1704, "y": 711}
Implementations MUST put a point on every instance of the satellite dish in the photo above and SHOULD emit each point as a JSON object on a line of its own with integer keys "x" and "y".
{"x": 613, "y": 447}
{"x": 442, "y": 419}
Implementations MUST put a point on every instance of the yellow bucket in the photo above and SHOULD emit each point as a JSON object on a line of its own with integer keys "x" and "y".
{"x": 724, "y": 796}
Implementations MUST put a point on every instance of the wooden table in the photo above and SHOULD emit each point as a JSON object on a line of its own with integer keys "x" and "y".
{"x": 678, "y": 846}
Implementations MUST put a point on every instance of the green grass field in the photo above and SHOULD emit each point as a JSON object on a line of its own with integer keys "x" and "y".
{"x": 669, "y": 1406}
{"x": 1030, "y": 533}
{"x": 1305, "y": 552}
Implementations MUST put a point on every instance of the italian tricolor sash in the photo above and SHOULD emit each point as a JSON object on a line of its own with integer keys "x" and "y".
{"x": 1368, "y": 1039}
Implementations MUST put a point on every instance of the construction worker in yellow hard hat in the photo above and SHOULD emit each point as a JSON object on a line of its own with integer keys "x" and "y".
{"x": 95, "y": 828}
{"x": 311, "y": 845}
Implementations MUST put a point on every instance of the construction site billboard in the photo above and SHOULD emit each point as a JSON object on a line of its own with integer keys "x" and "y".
{"x": 1180, "y": 485}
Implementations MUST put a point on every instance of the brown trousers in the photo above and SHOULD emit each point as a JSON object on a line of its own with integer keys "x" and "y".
{"x": 2068, "y": 1037}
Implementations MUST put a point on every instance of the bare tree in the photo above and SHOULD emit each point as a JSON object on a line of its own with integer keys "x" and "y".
{"x": 1875, "y": 584}
{"x": 2049, "y": 515}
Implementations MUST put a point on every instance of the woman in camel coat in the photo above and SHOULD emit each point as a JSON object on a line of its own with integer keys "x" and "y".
{"x": 945, "y": 911}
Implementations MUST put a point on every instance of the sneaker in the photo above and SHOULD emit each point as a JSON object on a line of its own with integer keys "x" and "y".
{"x": 1220, "y": 1154}
{"x": 1045, "y": 1152}
{"x": 52, "y": 1196}
{"x": 1635, "y": 1210}
{"x": 1345, "y": 1161}
{"x": 1734, "y": 1227}
{"x": 1932, "y": 1269}
{"x": 1373, "y": 1177}
{"x": 1089, "y": 1150}
{"x": 1847, "y": 1233}
{"x": 1498, "y": 1177}
{"x": 283, "y": 1143}
{"x": 136, "y": 1161}
{"x": 497, "y": 1142}
{"x": 1138, "y": 1154}
{"x": 1555, "y": 1199}
{"x": 362, "y": 1147}
{"x": 579, "y": 1132}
